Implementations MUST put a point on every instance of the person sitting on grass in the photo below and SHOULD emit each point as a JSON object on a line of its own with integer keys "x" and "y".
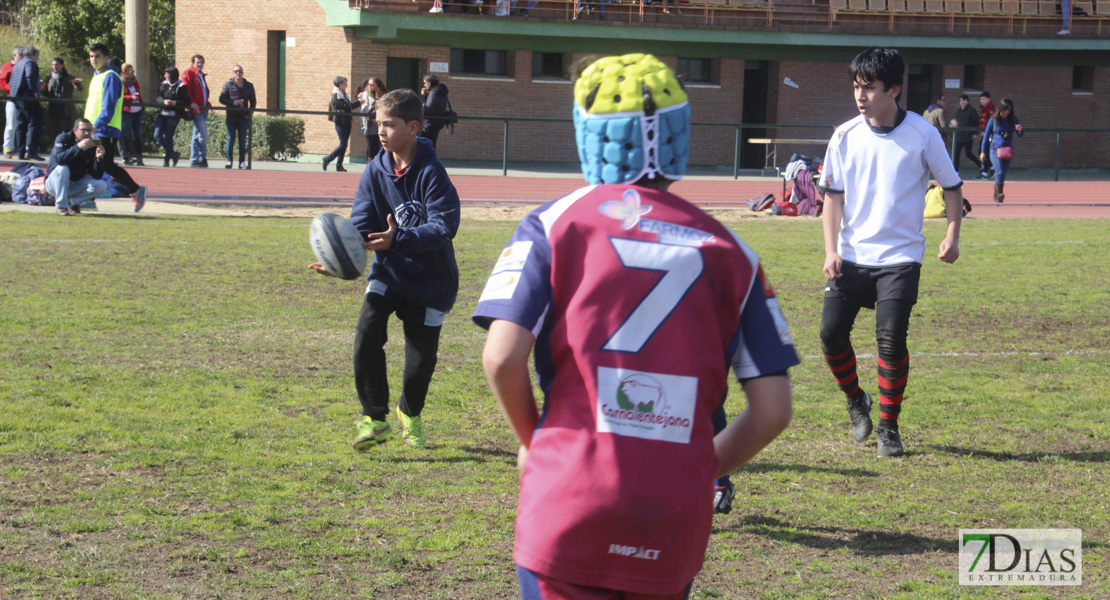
{"x": 76, "y": 168}
{"x": 408, "y": 210}
{"x": 638, "y": 304}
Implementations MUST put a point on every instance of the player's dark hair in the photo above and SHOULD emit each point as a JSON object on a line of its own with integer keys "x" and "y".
{"x": 99, "y": 47}
{"x": 1005, "y": 104}
{"x": 879, "y": 64}
{"x": 403, "y": 104}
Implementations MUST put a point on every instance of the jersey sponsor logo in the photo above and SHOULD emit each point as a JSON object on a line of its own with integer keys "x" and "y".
{"x": 627, "y": 211}
{"x": 513, "y": 257}
{"x": 634, "y": 552}
{"x": 650, "y": 406}
{"x": 680, "y": 235}
{"x": 500, "y": 286}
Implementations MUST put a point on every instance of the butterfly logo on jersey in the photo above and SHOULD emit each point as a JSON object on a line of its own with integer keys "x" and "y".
{"x": 627, "y": 211}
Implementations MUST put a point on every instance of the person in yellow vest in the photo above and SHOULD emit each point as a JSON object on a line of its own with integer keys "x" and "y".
{"x": 104, "y": 109}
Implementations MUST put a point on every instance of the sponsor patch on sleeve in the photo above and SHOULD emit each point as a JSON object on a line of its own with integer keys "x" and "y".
{"x": 513, "y": 257}
{"x": 500, "y": 286}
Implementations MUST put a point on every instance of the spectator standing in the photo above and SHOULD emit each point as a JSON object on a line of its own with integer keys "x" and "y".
{"x": 197, "y": 85}
{"x": 104, "y": 109}
{"x": 408, "y": 211}
{"x": 174, "y": 101}
{"x": 11, "y": 112}
{"x": 238, "y": 96}
{"x": 1065, "y": 9}
{"x": 935, "y": 114}
{"x": 61, "y": 85}
{"x": 76, "y": 168}
{"x": 132, "y": 118}
{"x": 998, "y": 145}
{"x": 966, "y": 118}
{"x": 986, "y": 111}
{"x": 27, "y": 84}
{"x": 876, "y": 169}
{"x": 435, "y": 105}
{"x": 626, "y": 436}
{"x": 369, "y": 92}
{"x": 340, "y": 104}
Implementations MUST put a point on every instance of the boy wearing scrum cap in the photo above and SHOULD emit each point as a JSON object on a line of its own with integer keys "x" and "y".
{"x": 637, "y": 304}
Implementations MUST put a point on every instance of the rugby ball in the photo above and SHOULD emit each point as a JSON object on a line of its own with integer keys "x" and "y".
{"x": 337, "y": 245}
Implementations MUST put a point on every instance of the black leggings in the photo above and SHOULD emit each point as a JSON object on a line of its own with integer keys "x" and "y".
{"x": 892, "y": 325}
{"x": 421, "y": 346}
{"x": 111, "y": 151}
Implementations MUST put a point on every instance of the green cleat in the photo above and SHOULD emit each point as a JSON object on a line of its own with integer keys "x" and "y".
{"x": 412, "y": 430}
{"x": 371, "y": 433}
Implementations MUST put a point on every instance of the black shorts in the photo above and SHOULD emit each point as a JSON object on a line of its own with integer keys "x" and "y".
{"x": 867, "y": 285}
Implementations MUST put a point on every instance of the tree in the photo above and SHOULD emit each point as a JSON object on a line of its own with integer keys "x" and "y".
{"x": 74, "y": 24}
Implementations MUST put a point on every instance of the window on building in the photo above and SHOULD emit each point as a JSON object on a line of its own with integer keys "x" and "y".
{"x": 973, "y": 77}
{"x": 548, "y": 65}
{"x": 1083, "y": 79}
{"x": 478, "y": 62}
{"x": 695, "y": 70}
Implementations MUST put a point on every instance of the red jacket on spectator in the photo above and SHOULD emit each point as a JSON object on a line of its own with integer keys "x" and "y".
{"x": 6, "y": 77}
{"x": 196, "y": 82}
{"x": 131, "y": 101}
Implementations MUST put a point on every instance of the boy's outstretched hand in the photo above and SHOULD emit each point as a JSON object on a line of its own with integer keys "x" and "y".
{"x": 319, "y": 268}
{"x": 383, "y": 240}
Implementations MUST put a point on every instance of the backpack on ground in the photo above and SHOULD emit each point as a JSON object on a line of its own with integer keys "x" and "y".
{"x": 761, "y": 203}
{"x": 934, "y": 202}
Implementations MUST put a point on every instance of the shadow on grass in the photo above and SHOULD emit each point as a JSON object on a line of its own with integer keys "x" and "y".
{"x": 472, "y": 455}
{"x": 796, "y": 468}
{"x": 861, "y": 541}
{"x": 1026, "y": 456}
{"x": 121, "y": 216}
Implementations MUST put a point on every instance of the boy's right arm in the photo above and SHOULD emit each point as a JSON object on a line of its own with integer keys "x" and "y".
{"x": 505, "y": 361}
{"x": 768, "y": 414}
{"x": 364, "y": 216}
{"x": 831, "y": 217}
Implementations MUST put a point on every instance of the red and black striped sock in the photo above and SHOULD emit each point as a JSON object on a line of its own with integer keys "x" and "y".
{"x": 892, "y": 385}
{"x": 843, "y": 367}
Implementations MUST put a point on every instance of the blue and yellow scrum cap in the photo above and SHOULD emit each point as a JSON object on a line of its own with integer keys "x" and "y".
{"x": 631, "y": 119}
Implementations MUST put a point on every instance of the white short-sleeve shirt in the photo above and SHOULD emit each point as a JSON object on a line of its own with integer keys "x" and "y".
{"x": 884, "y": 176}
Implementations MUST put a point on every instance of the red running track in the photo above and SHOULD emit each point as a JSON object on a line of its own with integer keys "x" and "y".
{"x": 1024, "y": 199}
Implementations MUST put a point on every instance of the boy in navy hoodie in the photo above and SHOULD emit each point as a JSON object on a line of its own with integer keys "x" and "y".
{"x": 408, "y": 209}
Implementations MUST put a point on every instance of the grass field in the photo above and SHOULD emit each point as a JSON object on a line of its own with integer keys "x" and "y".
{"x": 177, "y": 408}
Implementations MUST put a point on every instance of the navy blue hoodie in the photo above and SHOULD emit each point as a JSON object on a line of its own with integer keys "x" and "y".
{"x": 420, "y": 263}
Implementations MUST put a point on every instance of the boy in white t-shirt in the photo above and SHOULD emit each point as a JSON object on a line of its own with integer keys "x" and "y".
{"x": 876, "y": 173}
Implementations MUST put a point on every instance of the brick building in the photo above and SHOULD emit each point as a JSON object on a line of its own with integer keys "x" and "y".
{"x": 735, "y": 61}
